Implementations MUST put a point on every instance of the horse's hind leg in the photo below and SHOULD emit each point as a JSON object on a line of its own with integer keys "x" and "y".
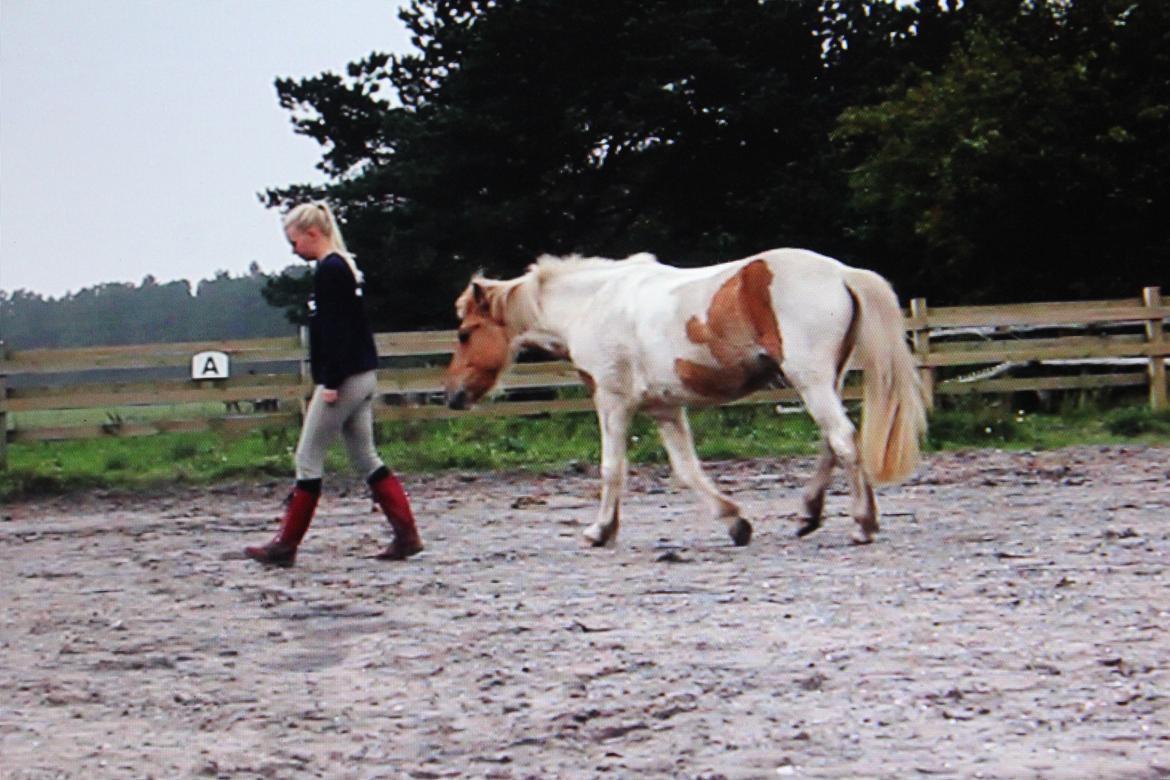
{"x": 614, "y": 421}
{"x": 824, "y": 405}
{"x": 680, "y": 446}
{"x": 813, "y": 500}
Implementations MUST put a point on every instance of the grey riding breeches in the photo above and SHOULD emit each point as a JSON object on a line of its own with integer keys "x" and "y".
{"x": 352, "y": 416}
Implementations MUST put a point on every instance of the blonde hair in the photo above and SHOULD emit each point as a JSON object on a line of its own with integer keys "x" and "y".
{"x": 317, "y": 214}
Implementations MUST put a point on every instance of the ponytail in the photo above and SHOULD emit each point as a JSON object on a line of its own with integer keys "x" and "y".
{"x": 318, "y": 214}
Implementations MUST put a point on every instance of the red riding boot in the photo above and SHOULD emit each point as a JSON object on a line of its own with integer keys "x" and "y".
{"x": 282, "y": 550}
{"x": 390, "y": 495}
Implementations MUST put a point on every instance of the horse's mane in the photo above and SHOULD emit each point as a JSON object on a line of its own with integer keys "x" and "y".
{"x": 506, "y": 299}
{"x": 519, "y": 293}
{"x": 548, "y": 267}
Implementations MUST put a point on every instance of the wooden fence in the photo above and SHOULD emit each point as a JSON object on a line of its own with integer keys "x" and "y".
{"x": 960, "y": 350}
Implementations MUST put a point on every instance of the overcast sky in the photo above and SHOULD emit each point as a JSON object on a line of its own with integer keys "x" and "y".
{"x": 136, "y": 134}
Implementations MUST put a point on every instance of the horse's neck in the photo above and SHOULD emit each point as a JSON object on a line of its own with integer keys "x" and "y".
{"x": 561, "y": 301}
{"x": 522, "y": 309}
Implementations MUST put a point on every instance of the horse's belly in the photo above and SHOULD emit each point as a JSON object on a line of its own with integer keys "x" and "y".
{"x": 702, "y": 383}
{"x": 727, "y": 382}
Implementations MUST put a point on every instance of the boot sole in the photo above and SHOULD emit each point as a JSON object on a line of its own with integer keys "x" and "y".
{"x": 282, "y": 563}
{"x": 395, "y": 555}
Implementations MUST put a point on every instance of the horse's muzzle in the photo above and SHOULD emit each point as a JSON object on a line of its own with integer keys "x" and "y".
{"x": 457, "y": 400}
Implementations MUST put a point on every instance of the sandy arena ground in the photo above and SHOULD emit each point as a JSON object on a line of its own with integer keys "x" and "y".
{"x": 1010, "y": 622}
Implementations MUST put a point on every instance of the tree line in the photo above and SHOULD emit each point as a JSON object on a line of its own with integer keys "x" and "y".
{"x": 225, "y": 307}
{"x": 976, "y": 151}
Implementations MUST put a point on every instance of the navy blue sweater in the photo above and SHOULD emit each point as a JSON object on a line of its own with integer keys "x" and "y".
{"x": 340, "y": 341}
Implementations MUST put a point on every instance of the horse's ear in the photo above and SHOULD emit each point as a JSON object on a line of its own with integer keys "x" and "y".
{"x": 479, "y": 296}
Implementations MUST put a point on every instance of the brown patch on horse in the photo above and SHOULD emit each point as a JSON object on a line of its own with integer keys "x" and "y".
{"x": 850, "y": 340}
{"x": 756, "y": 297}
{"x": 742, "y": 334}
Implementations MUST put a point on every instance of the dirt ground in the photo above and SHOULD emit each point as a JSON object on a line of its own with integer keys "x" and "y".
{"x": 1009, "y": 622}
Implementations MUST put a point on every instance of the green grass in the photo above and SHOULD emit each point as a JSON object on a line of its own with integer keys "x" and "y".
{"x": 474, "y": 443}
{"x": 146, "y": 461}
{"x": 491, "y": 443}
{"x": 997, "y": 425}
{"x": 80, "y": 417}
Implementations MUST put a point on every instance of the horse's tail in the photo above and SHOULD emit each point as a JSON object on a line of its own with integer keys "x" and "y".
{"x": 893, "y": 416}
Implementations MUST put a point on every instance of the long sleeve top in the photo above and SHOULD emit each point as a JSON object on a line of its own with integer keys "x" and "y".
{"x": 340, "y": 341}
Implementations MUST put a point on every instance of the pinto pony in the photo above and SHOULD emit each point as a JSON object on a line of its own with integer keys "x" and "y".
{"x": 654, "y": 338}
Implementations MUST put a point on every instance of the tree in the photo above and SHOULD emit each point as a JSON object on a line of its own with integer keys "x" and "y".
{"x": 114, "y": 313}
{"x": 1030, "y": 165}
{"x": 691, "y": 128}
{"x": 979, "y": 145}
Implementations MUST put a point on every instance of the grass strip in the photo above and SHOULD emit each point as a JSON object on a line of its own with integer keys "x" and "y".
{"x": 543, "y": 442}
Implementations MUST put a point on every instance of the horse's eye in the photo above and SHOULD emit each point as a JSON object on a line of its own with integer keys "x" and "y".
{"x": 464, "y": 336}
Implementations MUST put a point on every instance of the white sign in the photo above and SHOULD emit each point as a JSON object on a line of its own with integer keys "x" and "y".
{"x": 209, "y": 365}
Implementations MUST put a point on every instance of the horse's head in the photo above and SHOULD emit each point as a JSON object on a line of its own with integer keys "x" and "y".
{"x": 484, "y": 349}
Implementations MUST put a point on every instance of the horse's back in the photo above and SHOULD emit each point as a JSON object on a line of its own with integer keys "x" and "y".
{"x": 800, "y": 268}
{"x": 653, "y": 302}
{"x": 653, "y": 325}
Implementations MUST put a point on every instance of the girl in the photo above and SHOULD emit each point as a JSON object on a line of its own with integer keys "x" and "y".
{"x": 343, "y": 361}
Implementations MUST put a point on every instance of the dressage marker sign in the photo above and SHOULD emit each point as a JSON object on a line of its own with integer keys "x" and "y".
{"x": 210, "y": 365}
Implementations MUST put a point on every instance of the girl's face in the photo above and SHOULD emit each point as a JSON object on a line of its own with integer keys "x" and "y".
{"x": 308, "y": 244}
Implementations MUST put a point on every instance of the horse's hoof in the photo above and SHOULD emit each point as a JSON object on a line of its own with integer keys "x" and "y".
{"x": 867, "y": 528}
{"x": 741, "y": 532}
{"x": 595, "y": 537}
{"x": 810, "y": 524}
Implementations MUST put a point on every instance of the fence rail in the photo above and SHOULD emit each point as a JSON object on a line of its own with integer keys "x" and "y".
{"x": 1043, "y": 336}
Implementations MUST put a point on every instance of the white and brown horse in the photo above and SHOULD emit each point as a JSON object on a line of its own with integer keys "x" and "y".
{"x": 654, "y": 338}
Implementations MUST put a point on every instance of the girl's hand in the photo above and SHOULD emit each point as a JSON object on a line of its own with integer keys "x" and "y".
{"x": 329, "y": 396}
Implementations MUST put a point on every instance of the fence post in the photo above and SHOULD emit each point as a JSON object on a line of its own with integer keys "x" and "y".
{"x": 3, "y": 409}
{"x": 1152, "y": 297}
{"x": 3, "y": 416}
{"x": 920, "y": 337}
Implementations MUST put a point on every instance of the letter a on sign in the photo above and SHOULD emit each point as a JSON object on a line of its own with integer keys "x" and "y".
{"x": 209, "y": 365}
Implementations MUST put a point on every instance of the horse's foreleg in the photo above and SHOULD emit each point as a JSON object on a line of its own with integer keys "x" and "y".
{"x": 825, "y": 407}
{"x": 813, "y": 500}
{"x": 613, "y": 418}
{"x": 680, "y": 446}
